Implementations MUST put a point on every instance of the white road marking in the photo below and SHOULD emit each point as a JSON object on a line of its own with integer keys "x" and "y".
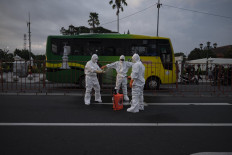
{"x": 123, "y": 124}
{"x": 170, "y": 103}
{"x": 212, "y": 153}
{"x": 189, "y": 104}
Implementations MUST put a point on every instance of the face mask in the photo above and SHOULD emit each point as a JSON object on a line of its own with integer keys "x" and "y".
{"x": 95, "y": 60}
{"x": 133, "y": 60}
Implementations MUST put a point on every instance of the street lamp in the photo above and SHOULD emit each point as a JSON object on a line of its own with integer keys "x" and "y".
{"x": 201, "y": 46}
{"x": 208, "y": 48}
{"x": 215, "y": 45}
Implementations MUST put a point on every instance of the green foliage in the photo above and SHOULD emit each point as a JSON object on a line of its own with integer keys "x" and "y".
{"x": 40, "y": 57}
{"x": 24, "y": 54}
{"x": 102, "y": 30}
{"x": 93, "y": 20}
{"x": 117, "y": 4}
{"x": 6, "y": 59}
{"x": 5, "y": 56}
{"x": 195, "y": 54}
{"x": 199, "y": 54}
{"x": 180, "y": 54}
{"x": 39, "y": 61}
{"x": 83, "y": 29}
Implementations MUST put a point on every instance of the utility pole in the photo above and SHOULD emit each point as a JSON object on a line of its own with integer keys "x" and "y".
{"x": 158, "y": 6}
{"x": 118, "y": 21}
{"x": 25, "y": 42}
{"x": 29, "y": 39}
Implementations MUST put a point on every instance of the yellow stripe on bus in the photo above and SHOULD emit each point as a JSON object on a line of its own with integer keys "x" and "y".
{"x": 58, "y": 65}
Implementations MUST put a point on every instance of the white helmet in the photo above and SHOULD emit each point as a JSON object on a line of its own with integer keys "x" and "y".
{"x": 122, "y": 57}
{"x": 94, "y": 58}
{"x": 135, "y": 58}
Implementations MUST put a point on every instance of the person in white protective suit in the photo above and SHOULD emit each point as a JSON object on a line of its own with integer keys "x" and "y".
{"x": 91, "y": 81}
{"x": 121, "y": 67}
{"x": 137, "y": 84}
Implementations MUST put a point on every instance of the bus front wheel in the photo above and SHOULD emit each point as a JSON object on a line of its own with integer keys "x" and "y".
{"x": 153, "y": 83}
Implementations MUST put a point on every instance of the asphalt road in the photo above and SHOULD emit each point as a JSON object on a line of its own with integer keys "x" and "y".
{"x": 64, "y": 125}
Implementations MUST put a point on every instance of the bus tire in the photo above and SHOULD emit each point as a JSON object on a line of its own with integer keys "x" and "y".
{"x": 82, "y": 82}
{"x": 153, "y": 83}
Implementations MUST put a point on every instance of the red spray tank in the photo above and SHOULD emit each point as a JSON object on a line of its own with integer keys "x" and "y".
{"x": 117, "y": 100}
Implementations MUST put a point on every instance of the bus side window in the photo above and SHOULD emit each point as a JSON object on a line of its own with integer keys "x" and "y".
{"x": 76, "y": 52}
{"x": 54, "y": 48}
{"x": 140, "y": 50}
{"x": 76, "y": 47}
{"x": 95, "y": 47}
{"x": 165, "y": 55}
{"x": 119, "y": 51}
{"x": 109, "y": 51}
{"x": 152, "y": 50}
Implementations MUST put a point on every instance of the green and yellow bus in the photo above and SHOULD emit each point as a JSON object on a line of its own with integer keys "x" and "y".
{"x": 156, "y": 53}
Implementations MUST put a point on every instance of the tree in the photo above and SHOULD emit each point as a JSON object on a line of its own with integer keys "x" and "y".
{"x": 23, "y": 54}
{"x": 180, "y": 54}
{"x": 40, "y": 57}
{"x": 2, "y": 54}
{"x": 118, "y": 5}
{"x": 103, "y": 30}
{"x": 83, "y": 29}
{"x": 93, "y": 20}
{"x": 63, "y": 31}
{"x": 5, "y": 56}
{"x": 72, "y": 30}
{"x": 195, "y": 54}
{"x": 128, "y": 32}
{"x": 199, "y": 54}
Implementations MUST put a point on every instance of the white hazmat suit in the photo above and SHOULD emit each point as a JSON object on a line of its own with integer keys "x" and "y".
{"x": 121, "y": 67}
{"x": 91, "y": 70}
{"x": 137, "y": 76}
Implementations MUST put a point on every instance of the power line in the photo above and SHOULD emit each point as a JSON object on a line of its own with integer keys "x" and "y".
{"x": 197, "y": 11}
{"x": 130, "y": 14}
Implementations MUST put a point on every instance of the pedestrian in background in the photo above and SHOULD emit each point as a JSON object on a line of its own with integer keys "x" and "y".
{"x": 199, "y": 72}
{"x": 210, "y": 73}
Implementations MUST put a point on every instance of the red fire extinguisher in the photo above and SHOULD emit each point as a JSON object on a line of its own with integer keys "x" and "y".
{"x": 117, "y": 100}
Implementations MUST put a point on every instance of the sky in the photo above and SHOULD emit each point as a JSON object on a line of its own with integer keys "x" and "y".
{"x": 208, "y": 20}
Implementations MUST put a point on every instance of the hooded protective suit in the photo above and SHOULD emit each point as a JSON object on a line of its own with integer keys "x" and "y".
{"x": 137, "y": 76}
{"x": 122, "y": 68}
{"x": 91, "y": 70}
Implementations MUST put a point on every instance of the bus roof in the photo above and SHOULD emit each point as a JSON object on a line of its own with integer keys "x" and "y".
{"x": 111, "y": 36}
